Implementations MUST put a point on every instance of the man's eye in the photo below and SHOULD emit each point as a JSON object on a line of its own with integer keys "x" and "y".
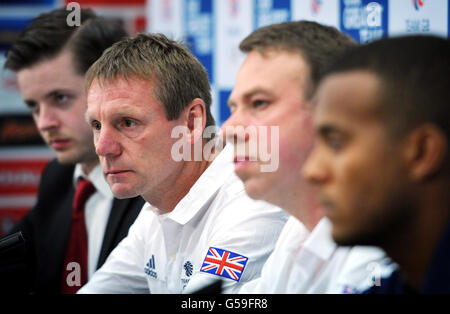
{"x": 259, "y": 103}
{"x": 61, "y": 98}
{"x": 128, "y": 123}
{"x": 33, "y": 106}
{"x": 96, "y": 125}
{"x": 335, "y": 143}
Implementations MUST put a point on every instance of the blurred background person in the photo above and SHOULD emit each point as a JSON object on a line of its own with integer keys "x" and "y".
{"x": 274, "y": 88}
{"x": 76, "y": 218}
{"x": 381, "y": 159}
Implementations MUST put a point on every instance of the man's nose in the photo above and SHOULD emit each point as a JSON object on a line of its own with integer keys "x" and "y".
{"x": 47, "y": 118}
{"x": 106, "y": 143}
{"x": 234, "y": 128}
{"x": 315, "y": 169}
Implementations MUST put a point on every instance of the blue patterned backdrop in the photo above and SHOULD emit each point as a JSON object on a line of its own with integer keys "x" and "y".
{"x": 215, "y": 27}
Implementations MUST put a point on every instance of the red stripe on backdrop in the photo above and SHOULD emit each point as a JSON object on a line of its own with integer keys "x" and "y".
{"x": 20, "y": 176}
{"x": 108, "y": 2}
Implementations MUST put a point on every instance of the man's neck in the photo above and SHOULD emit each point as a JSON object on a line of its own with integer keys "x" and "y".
{"x": 167, "y": 198}
{"x": 303, "y": 205}
{"x": 414, "y": 246}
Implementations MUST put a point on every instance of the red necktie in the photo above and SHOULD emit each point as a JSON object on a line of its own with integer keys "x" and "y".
{"x": 75, "y": 261}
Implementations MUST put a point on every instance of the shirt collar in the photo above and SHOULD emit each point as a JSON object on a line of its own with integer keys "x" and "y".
{"x": 96, "y": 177}
{"x": 203, "y": 189}
{"x": 320, "y": 242}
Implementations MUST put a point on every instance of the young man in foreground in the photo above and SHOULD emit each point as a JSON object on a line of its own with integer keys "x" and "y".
{"x": 381, "y": 159}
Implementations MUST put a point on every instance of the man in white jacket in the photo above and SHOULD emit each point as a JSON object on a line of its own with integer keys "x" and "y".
{"x": 149, "y": 106}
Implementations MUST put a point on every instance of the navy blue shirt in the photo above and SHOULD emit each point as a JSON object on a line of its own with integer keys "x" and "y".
{"x": 437, "y": 279}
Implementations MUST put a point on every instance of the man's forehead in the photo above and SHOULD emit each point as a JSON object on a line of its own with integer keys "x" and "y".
{"x": 123, "y": 97}
{"x": 277, "y": 58}
{"x": 62, "y": 62}
{"x": 265, "y": 73}
{"x": 351, "y": 93}
{"x": 119, "y": 87}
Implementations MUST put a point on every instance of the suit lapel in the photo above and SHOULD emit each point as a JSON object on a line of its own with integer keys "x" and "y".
{"x": 54, "y": 245}
{"x": 115, "y": 217}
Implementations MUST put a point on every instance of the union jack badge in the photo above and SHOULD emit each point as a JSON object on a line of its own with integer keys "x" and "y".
{"x": 224, "y": 263}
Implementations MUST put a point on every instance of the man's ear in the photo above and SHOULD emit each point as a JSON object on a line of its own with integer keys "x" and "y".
{"x": 195, "y": 114}
{"x": 426, "y": 150}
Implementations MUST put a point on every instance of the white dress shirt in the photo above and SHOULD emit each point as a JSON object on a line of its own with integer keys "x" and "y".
{"x": 96, "y": 213}
{"x": 165, "y": 253}
{"x": 304, "y": 262}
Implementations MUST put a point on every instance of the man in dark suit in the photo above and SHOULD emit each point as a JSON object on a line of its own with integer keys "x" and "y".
{"x": 70, "y": 232}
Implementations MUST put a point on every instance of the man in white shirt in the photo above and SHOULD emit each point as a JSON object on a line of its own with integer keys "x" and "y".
{"x": 198, "y": 224}
{"x": 273, "y": 89}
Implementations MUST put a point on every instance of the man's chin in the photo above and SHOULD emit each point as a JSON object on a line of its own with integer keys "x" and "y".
{"x": 71, "y": 158}
{"x": 123, "y": 195}
{"x": 349, "y": 239}
{"x": 121, "y": 192}
{"x": 66, "y": 159}
{"x": 256, "y": 191}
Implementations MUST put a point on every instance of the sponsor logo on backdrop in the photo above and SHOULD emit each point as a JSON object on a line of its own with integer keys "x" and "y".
{"x": 199, "y": 30}
{"x": 271, "y": 12}
{"x": 417, "y": 4}
{"x": 418, "y": 25}
{"x": 364, "y": 20}
{"x": 234, "y": 7}
{"x": 418, "y": 16}
{"x": 167, "y": 9}
{"x": 316, "y": 6}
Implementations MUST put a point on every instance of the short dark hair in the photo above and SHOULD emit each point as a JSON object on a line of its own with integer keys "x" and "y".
{"x": 50, "y": 33}
{"x": 414, "y": 75}
{"x": 318, "y": 44}
{"x": 180, "y": 77}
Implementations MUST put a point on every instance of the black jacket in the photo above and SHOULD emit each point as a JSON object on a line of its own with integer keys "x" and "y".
{"x": 46, "y": 230}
